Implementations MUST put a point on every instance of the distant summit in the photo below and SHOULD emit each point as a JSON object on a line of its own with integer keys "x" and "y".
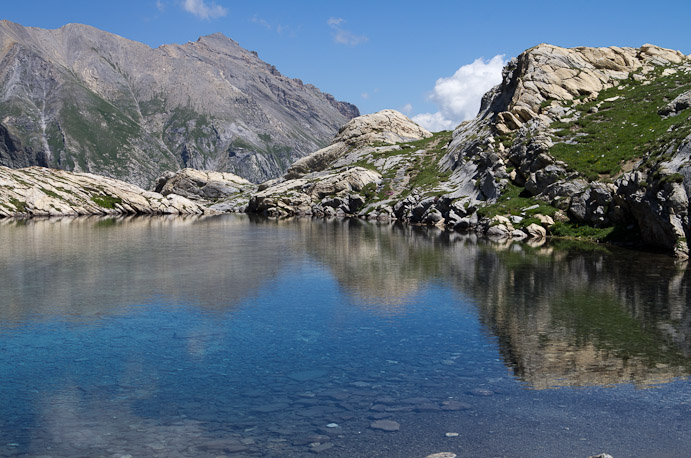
{"x": 78, "y": 98}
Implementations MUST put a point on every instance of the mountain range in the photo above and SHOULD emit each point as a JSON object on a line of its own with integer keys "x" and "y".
{"x": 81, "y": 99}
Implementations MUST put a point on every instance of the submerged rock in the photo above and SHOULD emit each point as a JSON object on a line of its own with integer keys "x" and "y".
{"x": 385, "y": 425}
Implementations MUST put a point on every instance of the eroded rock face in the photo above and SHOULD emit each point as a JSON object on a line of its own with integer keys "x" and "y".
{"x": 524, "y": 106}
{"x": 201, "y": 184}
{"x": 676, "y": 106}
{"x": 224, "y": 192}
{"x": 322, "y": 193}
{"x": 38, "y": 191}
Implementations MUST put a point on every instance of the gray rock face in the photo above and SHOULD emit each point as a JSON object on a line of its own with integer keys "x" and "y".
{"x": 38, "y": 191}
{"x": 81, "y": 99}
{"x": 223, "y": 192}
{"x": 676, "y": 106}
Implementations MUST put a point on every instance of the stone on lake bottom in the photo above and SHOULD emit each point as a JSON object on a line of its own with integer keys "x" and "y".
{"x": 321, "y": 447}
{"x": 452, "y": 434}
{"x": 442, "y": 455}
{"x": 454, "y": 405}
{"x": 481, "y": 392}
{"x": 386, "y": 425}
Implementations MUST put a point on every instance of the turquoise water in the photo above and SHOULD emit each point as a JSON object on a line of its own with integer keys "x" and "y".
{"x": 230, "y": 336}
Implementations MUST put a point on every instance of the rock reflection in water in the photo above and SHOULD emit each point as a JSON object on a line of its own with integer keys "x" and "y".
{"x": 87, "y": 267}
{"x": 564, "y": 315}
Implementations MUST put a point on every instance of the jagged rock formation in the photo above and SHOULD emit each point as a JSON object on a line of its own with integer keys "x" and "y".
{"x": 81, "y": 99}
{"x": 38, "y": 191}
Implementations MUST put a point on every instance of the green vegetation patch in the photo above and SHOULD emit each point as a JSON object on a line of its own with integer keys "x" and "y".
{"x": 50, "y": 193}
{"x": 18, "y": 204}
{"x": 582, "y": 232}
{"x": 512, "y": 202}
{"x": 106, "y": 201}
{"x": 422, "y": 159}
{"x": 425, "y": 173}
{"x": 601, "y": 142}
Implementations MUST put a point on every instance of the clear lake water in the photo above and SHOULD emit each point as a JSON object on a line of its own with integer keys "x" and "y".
{"x": 237, "y": 336}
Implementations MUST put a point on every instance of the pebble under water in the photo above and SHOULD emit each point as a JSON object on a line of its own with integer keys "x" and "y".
{"x": 232, "y": 336}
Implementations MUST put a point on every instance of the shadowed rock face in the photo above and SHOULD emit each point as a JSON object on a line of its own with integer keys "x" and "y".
{"x": 81, "y": 99}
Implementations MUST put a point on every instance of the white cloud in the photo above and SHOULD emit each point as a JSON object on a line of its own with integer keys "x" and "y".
{"x": 160, "y": 6}
{"x": 434, "y": 122}
{"x": 407, "y": 108}
{"x": 458, "y": 97}
{"x": 204, "y": 11}
{"x": 365, "y": 95}
{"x": 280, "y": 29}
{"x": 261, "y": 21}
{"x": 343, "y": 36}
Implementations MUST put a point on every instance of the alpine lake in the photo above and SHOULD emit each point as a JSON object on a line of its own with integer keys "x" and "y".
{"x": 247, "y": 337}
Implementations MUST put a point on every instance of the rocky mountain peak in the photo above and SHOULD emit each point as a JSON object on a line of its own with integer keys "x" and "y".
{"x": 81, "y": 99}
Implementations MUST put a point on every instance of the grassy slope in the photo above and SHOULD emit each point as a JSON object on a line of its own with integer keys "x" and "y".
{"x": 421, "y": 159}
{"x": 602, "y": 143}
{"x": 599, "y": 145}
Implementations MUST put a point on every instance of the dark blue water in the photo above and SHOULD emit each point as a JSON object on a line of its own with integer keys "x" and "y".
{"x": 225, "y": 336}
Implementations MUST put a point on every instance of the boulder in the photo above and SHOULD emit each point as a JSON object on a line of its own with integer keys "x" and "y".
{"x": 535, "y": 231}
{"x": 676, "y": 106}
{"x": 202, "y": 185}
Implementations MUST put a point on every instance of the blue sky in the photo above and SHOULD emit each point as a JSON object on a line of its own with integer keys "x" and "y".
{"x": 381, "y": 54}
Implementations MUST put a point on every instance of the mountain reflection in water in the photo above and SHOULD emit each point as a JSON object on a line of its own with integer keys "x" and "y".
{"x": 563, "y": 314}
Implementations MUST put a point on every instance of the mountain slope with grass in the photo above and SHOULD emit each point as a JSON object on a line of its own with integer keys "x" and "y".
{"x": 80, "y": 99}
{"x": 592, "y": 143}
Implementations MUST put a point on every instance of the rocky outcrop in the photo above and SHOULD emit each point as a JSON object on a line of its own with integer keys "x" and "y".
{"x": 223, "y": 192}
{"x": 511, "y": 141}
{"x": 329, "y": 182}
{"x": 676, "y": 106}
{"x": 38, "y": 191}
{"x": 386, "y": 127}
{"x": 546, "y": 73}
{"x": 319, "y": 194}
{"x": 467, "y": 180}
{"x": 80, "y": 99}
